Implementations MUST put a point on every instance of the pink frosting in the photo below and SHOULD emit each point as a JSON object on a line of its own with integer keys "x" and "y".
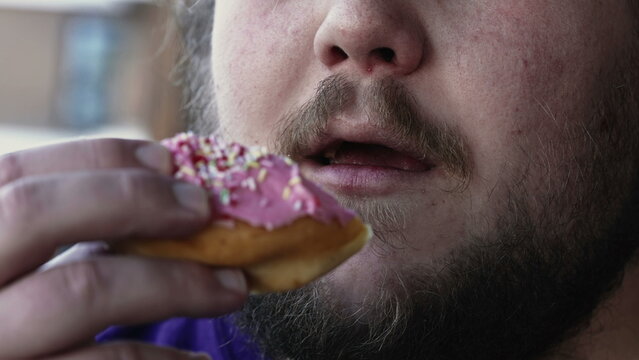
{"x": 250, "y": 184}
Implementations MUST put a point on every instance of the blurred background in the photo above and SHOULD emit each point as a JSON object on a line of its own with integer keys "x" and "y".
{"x": 86, "y": 68}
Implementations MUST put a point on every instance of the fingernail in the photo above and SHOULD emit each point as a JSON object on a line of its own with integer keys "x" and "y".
{"x": 199, "y": 356}
{"x": 232, "y": 280}
{"x": 192, "y": 197}
{"x": 155, "y": 157}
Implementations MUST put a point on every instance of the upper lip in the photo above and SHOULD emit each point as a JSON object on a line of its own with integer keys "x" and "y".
{"x": 328, "y": 143}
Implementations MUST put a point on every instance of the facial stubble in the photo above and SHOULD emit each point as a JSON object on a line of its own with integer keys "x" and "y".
{"x": 514, "y": 293}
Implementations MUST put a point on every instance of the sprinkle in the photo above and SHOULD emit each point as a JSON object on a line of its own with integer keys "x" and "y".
{"x": 250, "y": 182}
{"x": 262, "y": 175}
{"x": 187, "y": 171}
{"x": 199, "y": 158}
{"x": 225, "y": 196}
{"x": 264, "y": 203}
{"x": 256, "y": 153}
{"x": 286, "y": 193}
{"x": 297, "y": 206}
{"x": 288, "y": 161}
{"x": 295, "y": 180}
{"x": 234, "y": 199}
{"x": 232, "y": 157}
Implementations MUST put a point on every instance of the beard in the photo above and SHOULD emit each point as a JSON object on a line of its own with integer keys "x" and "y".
{"x": 515, "y": 295}
{"x": 518, "y": 289}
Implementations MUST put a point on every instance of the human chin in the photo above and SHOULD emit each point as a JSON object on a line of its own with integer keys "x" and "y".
{"x": 406, "y": 234}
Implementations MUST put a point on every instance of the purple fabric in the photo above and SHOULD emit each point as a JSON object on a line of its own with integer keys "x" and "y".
{"x": 217, "y": 337}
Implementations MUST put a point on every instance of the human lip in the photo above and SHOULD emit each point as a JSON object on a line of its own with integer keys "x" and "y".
{"x": 361, "y": 165}
{"x": 361, "y": 179}
{"x": 357, "y": 155}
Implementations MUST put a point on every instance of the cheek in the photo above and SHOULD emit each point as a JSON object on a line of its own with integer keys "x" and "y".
{"x": 258, "y": 56}
{"x": 516, "y": 90}
{"x": 514, "y": 84}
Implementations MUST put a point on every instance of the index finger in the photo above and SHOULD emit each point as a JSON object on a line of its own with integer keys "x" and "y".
{"x": 95, "y": 154}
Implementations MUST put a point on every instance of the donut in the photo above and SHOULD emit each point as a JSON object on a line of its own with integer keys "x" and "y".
{"x": 267, "y": 219}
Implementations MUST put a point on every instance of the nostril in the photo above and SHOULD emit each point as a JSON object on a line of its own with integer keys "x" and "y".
{"x": 384, "y": 53}
{"x": 338, "y": 53}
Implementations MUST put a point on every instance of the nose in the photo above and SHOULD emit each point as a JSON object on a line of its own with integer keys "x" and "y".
{"x": 378, "y": 37}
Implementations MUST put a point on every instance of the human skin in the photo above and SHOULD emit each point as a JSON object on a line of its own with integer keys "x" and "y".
{"x": 112, "y": 190}
{"x": 505, "y": 106}
{"x": 515, "y": 78}
{"x": 501, "y": 104}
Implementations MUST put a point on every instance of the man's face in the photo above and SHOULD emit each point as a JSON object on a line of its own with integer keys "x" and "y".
{"x": 507, "y": 111}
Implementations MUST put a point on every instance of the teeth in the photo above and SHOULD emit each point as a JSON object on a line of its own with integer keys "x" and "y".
{"x": 330, "y": 152}
{"x": 330, "y": 155}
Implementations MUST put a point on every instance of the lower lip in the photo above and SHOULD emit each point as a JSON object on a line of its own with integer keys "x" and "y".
{"x": 362, "y": 179}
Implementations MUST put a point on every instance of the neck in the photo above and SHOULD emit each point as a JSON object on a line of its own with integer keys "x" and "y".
{"x": 614, "y": 329}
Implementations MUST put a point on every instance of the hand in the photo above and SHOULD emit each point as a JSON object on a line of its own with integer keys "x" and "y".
{"x": 111, "y": 190}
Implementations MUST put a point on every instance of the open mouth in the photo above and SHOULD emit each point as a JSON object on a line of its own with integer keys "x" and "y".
{"x": 381, "y": 157}
{"x": 366, "y": 169}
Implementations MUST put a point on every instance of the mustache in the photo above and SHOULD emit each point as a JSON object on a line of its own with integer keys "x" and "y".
{"x": 389, "y": 106}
